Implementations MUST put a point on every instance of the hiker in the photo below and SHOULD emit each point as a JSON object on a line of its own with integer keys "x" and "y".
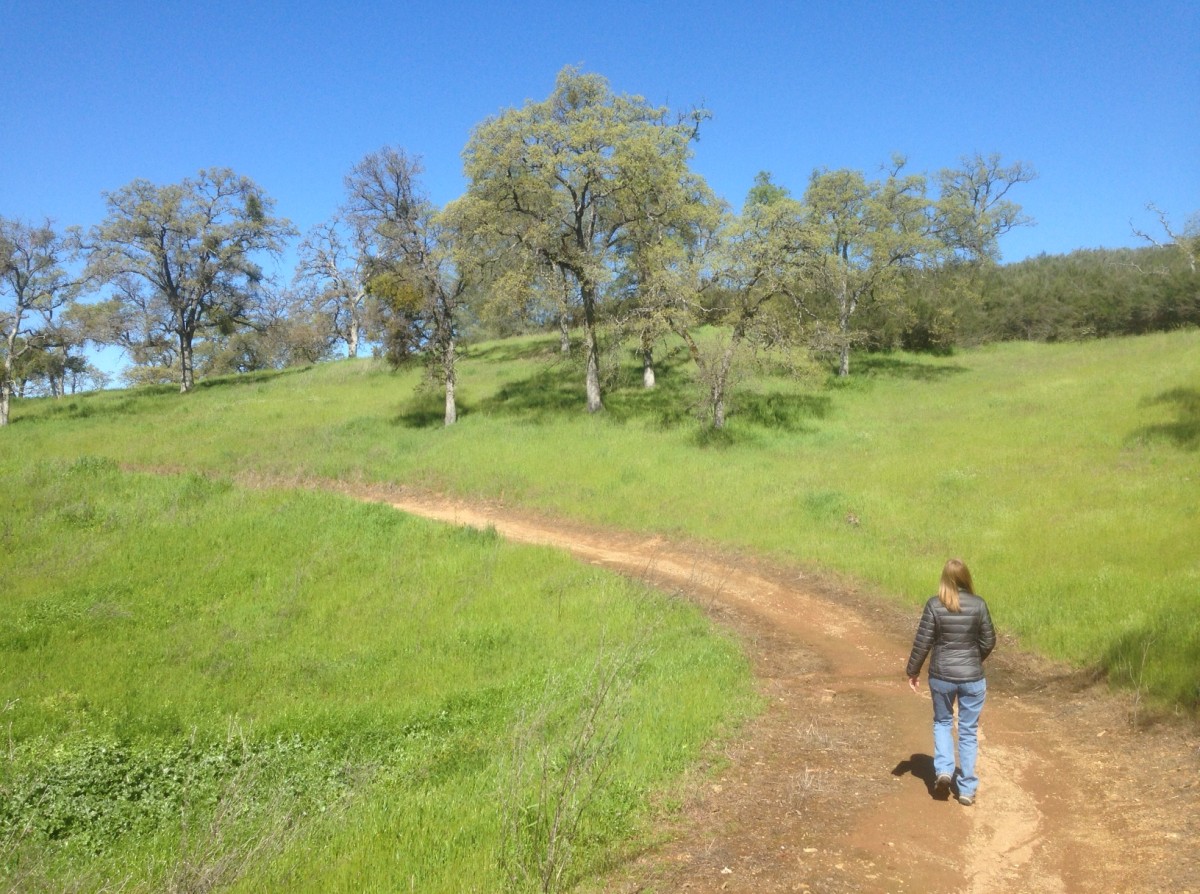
{"x": 957, "y": 628}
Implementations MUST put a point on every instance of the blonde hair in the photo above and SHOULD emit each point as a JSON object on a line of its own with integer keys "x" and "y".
{"x": 955, "y": 576}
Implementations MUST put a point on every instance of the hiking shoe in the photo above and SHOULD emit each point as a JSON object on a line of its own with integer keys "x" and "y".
{"x": 941, "y": 786}
{"x": 966, "y": 800}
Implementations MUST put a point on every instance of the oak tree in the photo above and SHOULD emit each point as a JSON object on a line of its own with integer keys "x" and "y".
{"x": 34, "y": 285}
{"x": 974, "y": 208}
{"x": 1186, "y": 240}
{"x": 562, "y": 184}
{"x": 184, "y": 256}
{"x": 861, "y": 235}
{"x": 409, "y": 262}
{"x": 758, "y": 265}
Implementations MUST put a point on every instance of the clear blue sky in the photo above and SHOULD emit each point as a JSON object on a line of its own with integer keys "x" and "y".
{"x": 1102, "y": 98}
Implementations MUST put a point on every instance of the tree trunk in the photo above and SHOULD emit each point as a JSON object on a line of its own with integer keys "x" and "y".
{"x": 6, "y": 383}
{"x": 352, "y": 339}
{"x": 721, "y": 380}
{"x": 720, "y": 375}
{"x": 564, "y": 334}
{"x": 187, "y": 376}
{"x": 718, "y": 406}
{"x": 564, "y": 312}
{"x": 844, "y": 311}
{"x": 591, "y": 346}
{"x": 450, "y": 373}
{"x": 594, "y": 402}
{"x": 647, "y": 362}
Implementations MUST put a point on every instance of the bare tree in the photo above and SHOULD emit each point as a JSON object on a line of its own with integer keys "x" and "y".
{"x": 333, "y": 258}
{"x": 1186, "y": 240}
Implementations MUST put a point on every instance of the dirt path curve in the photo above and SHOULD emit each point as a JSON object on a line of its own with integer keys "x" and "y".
{"x": 830, "y": 789}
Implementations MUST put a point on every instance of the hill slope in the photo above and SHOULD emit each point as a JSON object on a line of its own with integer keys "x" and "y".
{"x": 1065, "y": 475}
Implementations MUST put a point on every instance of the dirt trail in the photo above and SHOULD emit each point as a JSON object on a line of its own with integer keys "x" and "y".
{"x": 831, "y": 788}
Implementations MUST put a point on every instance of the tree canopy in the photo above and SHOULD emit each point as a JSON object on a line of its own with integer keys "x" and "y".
{"x": 183, "y": 256}
{"x": 581, "y": 214}
{"x": 409, "y": 250}
{"x": 34, "y": 286}
{"x": 564, "y": 184}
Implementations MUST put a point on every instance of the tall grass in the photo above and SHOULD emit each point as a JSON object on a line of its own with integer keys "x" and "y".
{"x": 1064, "y": 474}
{"x": 209, "y": 686}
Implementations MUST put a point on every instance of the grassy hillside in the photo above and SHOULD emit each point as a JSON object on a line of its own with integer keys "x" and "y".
{"x": 205, "y": 687}
{"x": 1064, "y": 474}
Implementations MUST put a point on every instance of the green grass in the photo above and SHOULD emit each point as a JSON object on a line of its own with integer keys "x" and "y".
{"x": 1065, "y": 475}
{"x": 219, "y": 646}
{"x": 292, "y": 691}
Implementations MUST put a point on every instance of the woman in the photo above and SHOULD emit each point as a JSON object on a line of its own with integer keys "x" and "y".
{"x": 957, "y": 628}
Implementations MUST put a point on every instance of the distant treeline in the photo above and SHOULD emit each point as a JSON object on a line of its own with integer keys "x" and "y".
{"x": 1089, "y": 293}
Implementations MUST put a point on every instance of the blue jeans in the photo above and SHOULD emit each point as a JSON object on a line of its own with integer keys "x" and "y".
{"x": 970, "y": 698}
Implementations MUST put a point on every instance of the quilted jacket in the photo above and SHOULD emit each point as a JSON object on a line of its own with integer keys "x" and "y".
{"x": 959, "y": 641}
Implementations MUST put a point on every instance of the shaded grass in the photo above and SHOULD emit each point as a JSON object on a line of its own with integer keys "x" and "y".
{"x": 1184, "y": 429}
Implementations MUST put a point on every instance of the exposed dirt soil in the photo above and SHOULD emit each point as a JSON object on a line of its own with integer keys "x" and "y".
{"x": 831, "y": 788}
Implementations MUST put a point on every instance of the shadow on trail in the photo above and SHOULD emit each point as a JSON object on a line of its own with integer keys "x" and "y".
{"x": 920, "y": 766}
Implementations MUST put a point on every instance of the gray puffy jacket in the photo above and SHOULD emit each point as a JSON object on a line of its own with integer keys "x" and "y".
{"x": 960, "y": 640}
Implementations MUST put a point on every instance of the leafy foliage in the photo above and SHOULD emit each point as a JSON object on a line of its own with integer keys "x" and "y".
{"x": 1085, "y": 294}
{"x": 181, "y": 258}
{"x": 564, "y": 191}
{"x": 34, "y": 287}
{"x": 88, "y": 795}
